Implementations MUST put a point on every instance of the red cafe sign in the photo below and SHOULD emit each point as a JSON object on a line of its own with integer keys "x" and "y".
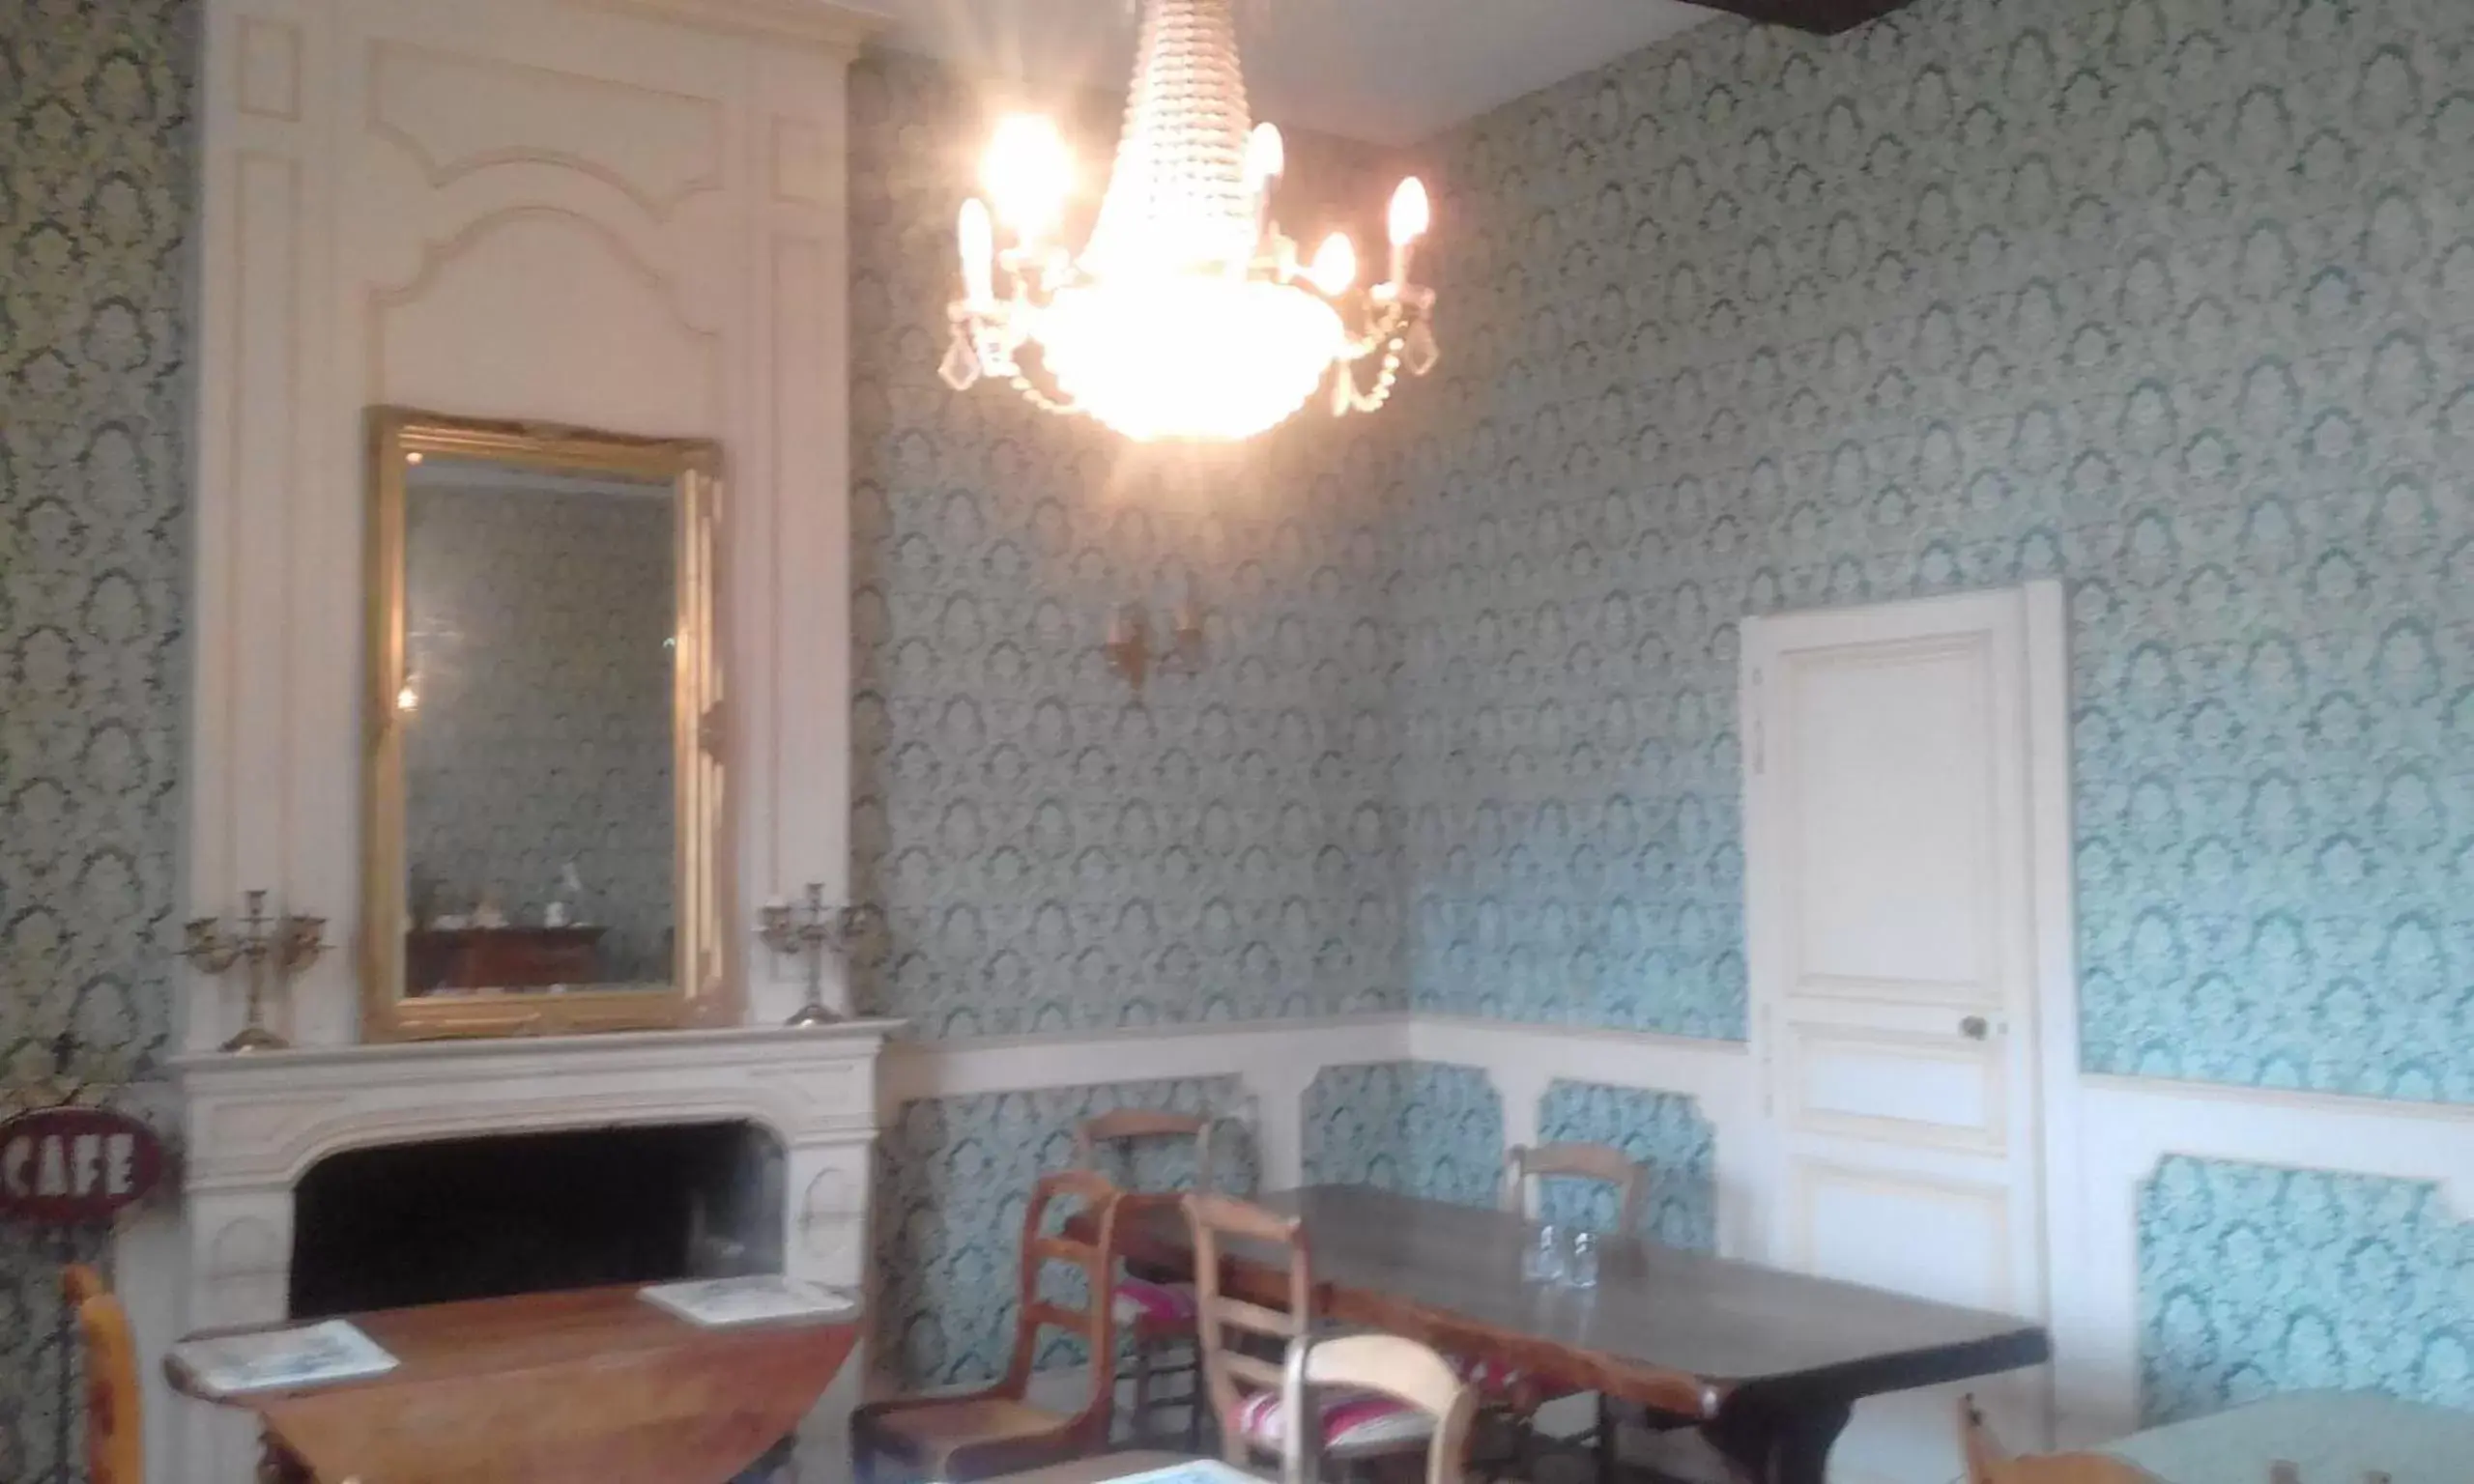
{"x": 75, "y": 1166}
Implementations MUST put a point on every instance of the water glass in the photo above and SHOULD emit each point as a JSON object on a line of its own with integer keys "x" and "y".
{"x": 1544, "y": 1261}
{"x": 1580, "y": 1269}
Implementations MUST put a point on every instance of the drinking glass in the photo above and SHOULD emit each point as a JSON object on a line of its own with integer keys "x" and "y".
{"x": 1544, "y": 1261}
{"x": 1580, "y": 1271}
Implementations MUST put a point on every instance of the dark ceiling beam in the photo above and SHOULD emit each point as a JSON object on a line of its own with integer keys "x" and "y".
{"x": 1827, "y": 17}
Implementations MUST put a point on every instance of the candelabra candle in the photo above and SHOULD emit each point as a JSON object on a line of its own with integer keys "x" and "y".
{"x": 286, "y": 945}
{"x": 808, "y": 928}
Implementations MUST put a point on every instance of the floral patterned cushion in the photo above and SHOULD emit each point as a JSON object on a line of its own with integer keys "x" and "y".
{"x": 1494, "y": 1379}
{"x": 1139, "y": 1300}
{"x": 1353, "y": 1422}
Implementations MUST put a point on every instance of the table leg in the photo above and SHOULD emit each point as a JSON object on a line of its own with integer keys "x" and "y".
{"x": 278, "y": 1466}
{"x": 1778, "y": 1442}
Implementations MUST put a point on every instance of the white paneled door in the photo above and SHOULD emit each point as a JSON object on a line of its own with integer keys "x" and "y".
{"x": 1893, "y": 875}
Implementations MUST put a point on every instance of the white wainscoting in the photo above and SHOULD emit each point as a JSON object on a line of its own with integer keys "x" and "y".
{"x": 1522, "y": 1060}
{"x": 2127, "y": 1125}
{"x": 2123, "y": 1127}
{"x": 1274, "y": 1060}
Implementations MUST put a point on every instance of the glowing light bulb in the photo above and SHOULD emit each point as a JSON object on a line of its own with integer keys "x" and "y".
{"x": 1251, "y": 354}
{"x": 1334, "y": 266}
{"x": 1266, "y": 156}
{"x": 408, "y": 699}
{"x": 1411, "y": 212}
{"x": 1410, "y": 215}
{"x": 1027, "y": 174}
{"x": 978, "y": 236}
{"x": 411, "y": 458}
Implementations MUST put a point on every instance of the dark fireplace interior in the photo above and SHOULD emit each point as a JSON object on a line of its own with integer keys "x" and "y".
{"x": 514, "y": 1213}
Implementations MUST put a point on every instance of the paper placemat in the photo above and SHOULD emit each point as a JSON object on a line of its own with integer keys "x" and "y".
{"x": 754, "y": 1300}
{"x": 279, "y": 1360}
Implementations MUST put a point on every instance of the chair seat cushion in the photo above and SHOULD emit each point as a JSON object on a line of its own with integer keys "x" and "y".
{"x": 1353, "y": 1422}
{"x": 928, "y": 1431}
{"x": 1508, "y": 1387}
{"x": 1492, "y": 1378}
{"x": 1139, "y": 1300}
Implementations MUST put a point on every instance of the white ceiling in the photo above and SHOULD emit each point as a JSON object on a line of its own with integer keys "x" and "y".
{"x": 1388, "y": 72}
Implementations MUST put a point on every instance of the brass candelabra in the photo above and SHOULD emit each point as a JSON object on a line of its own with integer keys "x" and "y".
{"x": 808, "y": 928}
{"x": 284, "y": 945}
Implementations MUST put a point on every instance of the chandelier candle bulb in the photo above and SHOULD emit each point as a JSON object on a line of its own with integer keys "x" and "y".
{"x": 1266, "y": 157}
{"x": 978, "y": 254}
{"x": 1027, "y": 174}
{"x": 1410, "y": 215}
{"x": 1334, "y": 266}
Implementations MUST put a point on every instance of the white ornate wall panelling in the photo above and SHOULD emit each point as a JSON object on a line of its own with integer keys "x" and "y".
{"x": 624, "y": 214}
{"x": 1522, "y": 1060}
{"x": 2128, "y": 1127}
{"x": 2117, "y": 1132}
{"x": 1276, "y": 1060}
{"x": 2120, "y": 1129}
{"x": 617, "y": 215}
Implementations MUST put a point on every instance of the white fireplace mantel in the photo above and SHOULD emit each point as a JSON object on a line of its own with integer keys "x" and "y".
{"x": 262, "y": 1120}
{"x": 254, "y": 1123}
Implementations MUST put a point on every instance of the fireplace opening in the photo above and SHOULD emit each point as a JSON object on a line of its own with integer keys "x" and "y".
{"x": 512, "y": 1214}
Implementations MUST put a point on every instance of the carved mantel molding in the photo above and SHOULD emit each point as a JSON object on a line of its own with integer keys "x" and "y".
{"x": 263, "y": 1120}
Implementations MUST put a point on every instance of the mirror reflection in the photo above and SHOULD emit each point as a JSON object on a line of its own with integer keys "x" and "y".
{"x": 538, "y": 713}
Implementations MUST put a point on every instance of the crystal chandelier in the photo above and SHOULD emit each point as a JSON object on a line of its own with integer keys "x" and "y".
{"x": 1188, "y": 314}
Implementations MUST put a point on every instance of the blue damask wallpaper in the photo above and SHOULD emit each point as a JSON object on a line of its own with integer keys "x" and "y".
{"x": 1050, "y": 853}
{"x": 1425, "y": 1128}
{"x": 95, "y": 214}
{"x": 2172, "y": 299}
{"x": 953, "y": 1177}
{"x": 536, "y": 636}
{"x": 1665, "y": 1130}
{"x": 2255, "y": 1280}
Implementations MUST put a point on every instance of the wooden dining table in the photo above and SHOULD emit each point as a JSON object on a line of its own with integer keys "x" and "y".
{"x": 1767, "y": 1364}
{"x": 591, "y": 1386}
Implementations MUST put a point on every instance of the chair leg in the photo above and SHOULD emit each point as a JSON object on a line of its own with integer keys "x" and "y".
{"x": 1195, "y": 1403}
{"x": 1143, "y": 1355}
{"x": 1609, "y": 1432}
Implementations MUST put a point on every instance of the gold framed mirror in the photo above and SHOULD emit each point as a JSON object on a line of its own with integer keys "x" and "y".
{"x": 544, "y": 813}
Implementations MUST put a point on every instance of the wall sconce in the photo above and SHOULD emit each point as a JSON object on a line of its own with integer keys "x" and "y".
{"x": 1133, "y": 654}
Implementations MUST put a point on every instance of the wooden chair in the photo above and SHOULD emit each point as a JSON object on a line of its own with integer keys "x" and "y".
{"x": 979, "y": 1435}
{"x": 1988, "y": 1464}
{"x": 1527, "y": 1166}
{"x": 115, "y": 1427}
{"x": 1249, "y": 1391}
{"x": 1382, "y": 1365}
{"x": 1513, "y": 1398}
{"x": 1156, "y": 1312}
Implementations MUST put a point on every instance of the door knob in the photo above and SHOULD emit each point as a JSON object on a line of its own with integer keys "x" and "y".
{"x": 1974, "y": 1028}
